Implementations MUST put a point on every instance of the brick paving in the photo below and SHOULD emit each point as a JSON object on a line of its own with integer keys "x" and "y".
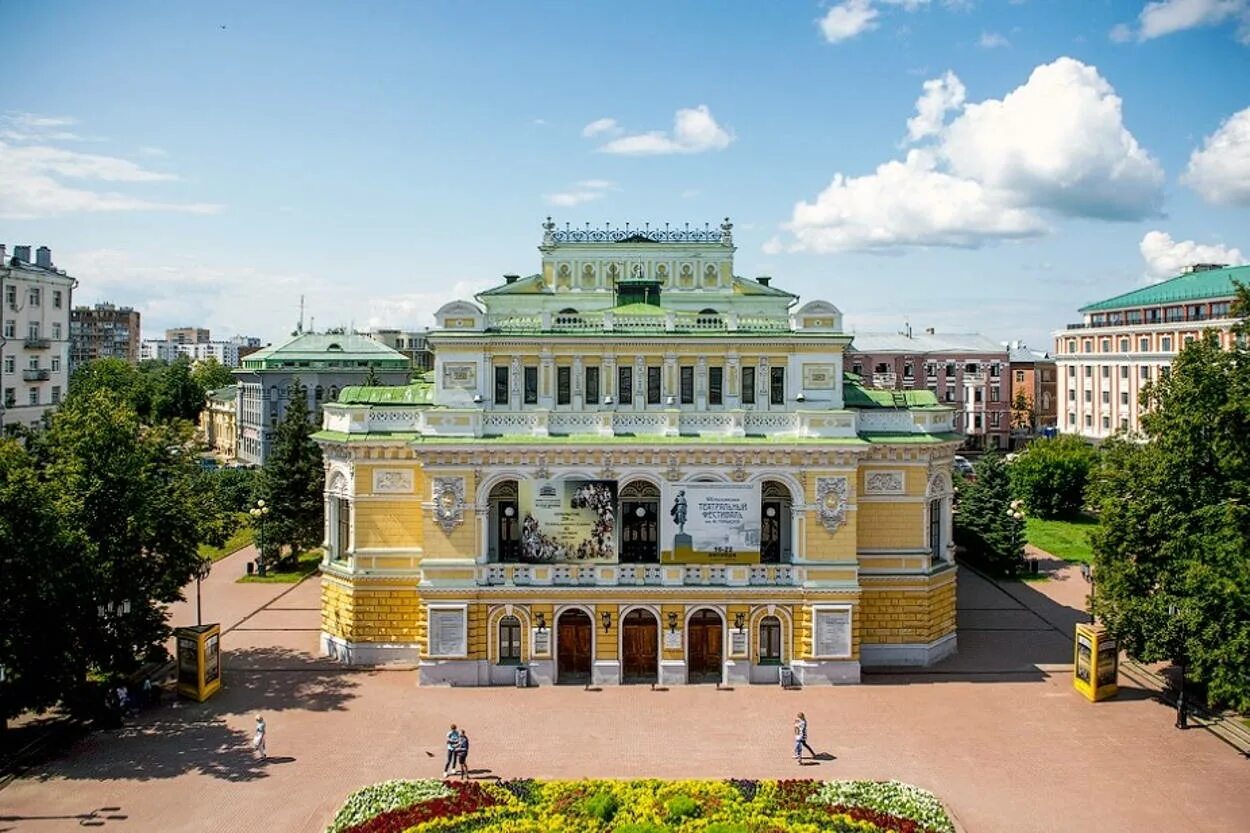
{"x": 996, "y": 731}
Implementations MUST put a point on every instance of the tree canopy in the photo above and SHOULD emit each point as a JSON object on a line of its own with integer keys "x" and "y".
{"x": 988, "y": 524}
{"x": 1049, "y": 476}
{"x": 293, "y": 482}
{"x": 1172, "y": 552}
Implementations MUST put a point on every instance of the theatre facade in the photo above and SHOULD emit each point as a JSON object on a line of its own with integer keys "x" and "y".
{"x": 635, "y": 466}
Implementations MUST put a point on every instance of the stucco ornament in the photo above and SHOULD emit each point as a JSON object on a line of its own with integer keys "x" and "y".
{"x": 449, "y": 502}
{"x": 831, "y": 496}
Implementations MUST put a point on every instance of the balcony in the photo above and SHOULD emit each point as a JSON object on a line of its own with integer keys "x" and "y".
{"x": 668, "y": 321}
{"x": 884, "y": 380}
{"x": 40, "y": 375}
{"x": 37, "y": 343}
{"x": 626, "y": 575}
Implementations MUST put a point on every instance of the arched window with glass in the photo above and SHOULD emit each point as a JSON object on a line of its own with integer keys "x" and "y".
{"x": 770, "y": 641}
{"x": 509, "y": 641}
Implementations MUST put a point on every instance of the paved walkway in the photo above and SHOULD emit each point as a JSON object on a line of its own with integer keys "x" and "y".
{"x": 996, "y": 731}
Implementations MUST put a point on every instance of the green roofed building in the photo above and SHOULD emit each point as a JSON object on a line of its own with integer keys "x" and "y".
{"x": 324, "y": 363}
{"x": 1129, "y": 340}
{"x": 635, "y": 466}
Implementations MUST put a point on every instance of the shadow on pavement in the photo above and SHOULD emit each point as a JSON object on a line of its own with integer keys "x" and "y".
{"x": 276, "y": 679}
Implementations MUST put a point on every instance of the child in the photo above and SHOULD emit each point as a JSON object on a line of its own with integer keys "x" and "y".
{"x": 462, "y": 754}
{"x": 800, "y": 737}
{"x": 258, "y": 740}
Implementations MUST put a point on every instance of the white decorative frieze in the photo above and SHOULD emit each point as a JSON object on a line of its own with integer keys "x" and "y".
{"x": 884, "y": 483}
{"x": 448, "y": 502}
{"x": 392, "y": 481}
{"x": 831, "y": 499}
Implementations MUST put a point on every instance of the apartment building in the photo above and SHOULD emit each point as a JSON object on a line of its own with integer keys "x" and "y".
{"x": 1129, "y": 340}
{"x": 103, "y": 331}
{"x": 965, "y": 371}
{"x": 34, "y": 343}
{"x": 188, "y": 335}
{"x": 228, "y": 352}
{"x": 1033, "y": 386}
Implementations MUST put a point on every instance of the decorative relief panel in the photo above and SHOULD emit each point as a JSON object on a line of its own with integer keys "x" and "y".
{"x": 884, "y": 483}
{"x": 831, "y": 498}
{"x": 449, "y": 502}
{"x": 392, "y": 481}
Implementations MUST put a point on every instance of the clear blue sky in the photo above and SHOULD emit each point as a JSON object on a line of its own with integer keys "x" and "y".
{"x": 208, "y": 164}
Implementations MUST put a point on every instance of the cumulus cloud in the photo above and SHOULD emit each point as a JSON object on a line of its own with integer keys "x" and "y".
{"x": 1166, "y": 258}
{"x": 1056, "y": 144}
{"x": 1220, "y": 169}
{"x": 581, "y": 192}
{"x": 940, "y": 96}
{"x": 32, "y": 127}
{"x": 1166, "y": 17}
{"x": 848, "y": 19}
{"x": 993, "y": 40}
{"x": 600, "y": 127}
{"x": 694, "y": 131}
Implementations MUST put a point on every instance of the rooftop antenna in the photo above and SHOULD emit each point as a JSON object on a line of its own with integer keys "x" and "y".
{"x": 312, "y": 323}
{"x": 300, "y": 328}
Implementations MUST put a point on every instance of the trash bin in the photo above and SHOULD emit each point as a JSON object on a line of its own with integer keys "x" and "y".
{"x": 250, "y": 567}
{"x": 522, "y": 677}
{"x": 786, "y": 677}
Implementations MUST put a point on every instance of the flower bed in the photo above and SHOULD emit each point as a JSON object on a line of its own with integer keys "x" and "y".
{"x": 734, "y": 806}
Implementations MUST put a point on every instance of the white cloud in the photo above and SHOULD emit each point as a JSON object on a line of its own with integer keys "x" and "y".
{"x": 416, "y": 309}
{"x": 601, "y": 126}
{"x": 1055, "y": 144}
{"x": 32, "y": 127}
{"x": 581, "y": 192}
{"x": 1166, "y": 258}
{"x": 907, "y": 203}
{"x": 1220, "y": 169}
{"x": 939, "y": 97}
{"x": 848, "y": 19}
{"x": 1166, "y": 17}
{"x": 694, "y": 131}
{"x": 993, "y": 40}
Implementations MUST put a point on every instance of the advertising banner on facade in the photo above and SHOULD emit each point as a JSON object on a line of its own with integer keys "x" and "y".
{"x": 568, "y": 519}
{"x": 711, "y": 523}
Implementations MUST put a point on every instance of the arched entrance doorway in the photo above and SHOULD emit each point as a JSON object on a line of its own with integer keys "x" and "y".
{"x": 640, "y": 644}
{"x": 640, "y": 502}
{"x": 505, "y": 523}
{"x": 704, "y": 647}
{"x": 573, "y": 647}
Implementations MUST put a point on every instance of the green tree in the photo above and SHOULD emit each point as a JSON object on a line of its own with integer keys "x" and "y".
{"x": 292, "y": 483}
{"x": 1172, "y": 551}
{"x": 371, "y": 379}
{"x": 38, "y": 584}
{"x": 1023, "y": 415}
{"x": 210, "y": 374}
{"x": 176, "y": 394}
{"x": 988, "y": 523}
{"x": 134, "y": 385}
{"x": 1049, "y": 476}
{"x": 133, "y": 497}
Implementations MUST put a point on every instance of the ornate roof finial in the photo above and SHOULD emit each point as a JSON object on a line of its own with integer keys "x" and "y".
{"x": 549, "y": 236}
{"x": 727, "y": 233}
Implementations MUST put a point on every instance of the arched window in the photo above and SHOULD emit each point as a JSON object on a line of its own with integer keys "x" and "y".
{"x": 770, "y": 641}
{"x": 505, "y": 522}
{"x": 334, "y": 393}
{"x": 319, "y": 393}
{"x": 509, "y": 641}
{"x": 775, "y": 546}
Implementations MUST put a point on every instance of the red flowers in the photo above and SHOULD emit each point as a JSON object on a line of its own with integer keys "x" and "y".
{"x": 467, "y": 797}
{"x": 885, "y": 821}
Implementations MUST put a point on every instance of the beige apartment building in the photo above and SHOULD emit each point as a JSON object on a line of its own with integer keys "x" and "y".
{"x": 34, "y": 344}
{"x": 1130, "y": 340}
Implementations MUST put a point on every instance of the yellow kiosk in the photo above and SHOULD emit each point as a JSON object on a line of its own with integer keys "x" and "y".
{"x": 1096, "y": 663}
{"x": 199, "y": 661}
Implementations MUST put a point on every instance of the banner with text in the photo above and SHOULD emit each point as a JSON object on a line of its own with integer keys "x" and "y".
{"x": 711, "y": 523}
{"x": 568, "y": 519}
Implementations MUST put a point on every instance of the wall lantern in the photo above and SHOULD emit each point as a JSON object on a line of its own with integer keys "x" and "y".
{"x": 740, "y": 620}
{"x": 508, "y": 511}
{"x": 800, "y": 397}
{"x": 606, "y": 618}
{"x": 542, "y": 622}
{"x": 672, "y": 400}
{"x": 672, "y": 622}
{"x": 477, "y": 399}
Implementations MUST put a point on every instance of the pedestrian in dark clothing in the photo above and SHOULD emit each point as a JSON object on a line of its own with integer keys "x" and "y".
{"x": 462, "y": 754}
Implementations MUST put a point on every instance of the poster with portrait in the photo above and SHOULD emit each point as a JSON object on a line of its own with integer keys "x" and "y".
{"x": 188, "y": 662}
{"x": 1084, "y": 657}
{"x": 212, "y": 659}
{"x": 1108, "y": 661}
{"x": 711, "y": 523}
{"x": 568, "y": 519}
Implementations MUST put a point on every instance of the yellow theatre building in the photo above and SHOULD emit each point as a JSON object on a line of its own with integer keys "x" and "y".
{"x": 636, "y": 466}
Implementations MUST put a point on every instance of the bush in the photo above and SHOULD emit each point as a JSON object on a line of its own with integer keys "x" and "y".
{"x": 602, "y": 806}
{"x": 1049, "y": 477}
{"x": 681, "y": 807}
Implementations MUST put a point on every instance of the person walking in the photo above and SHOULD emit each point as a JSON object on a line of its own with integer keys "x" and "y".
{"x": 258, "y": 739}
{"x": 453, "y": 749}
{"x": 462, "y": 754}
{"x": 800, "y": 737}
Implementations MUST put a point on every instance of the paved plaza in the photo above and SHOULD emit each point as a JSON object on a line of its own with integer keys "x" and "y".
{"x": 996, "y": 731}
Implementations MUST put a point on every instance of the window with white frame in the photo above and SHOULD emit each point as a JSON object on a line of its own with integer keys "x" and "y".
{"x": 509, "y": 641}
{"x": 770, "y": 641}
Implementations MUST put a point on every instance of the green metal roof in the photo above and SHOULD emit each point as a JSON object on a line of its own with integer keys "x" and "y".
{"x": 529, "y": 285}
{"x": 227, "y": 394}
{"x": 855, "y": 395}
{"x": 326, "y": 347}
{"x": 418, "y": 394}
{"x": 1195, "y": 286}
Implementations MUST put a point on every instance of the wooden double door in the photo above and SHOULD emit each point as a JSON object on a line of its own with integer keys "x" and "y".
{"x": 574, "y": 645}
{"x": 640, "y": 647}
{"x": 704, "y": 647}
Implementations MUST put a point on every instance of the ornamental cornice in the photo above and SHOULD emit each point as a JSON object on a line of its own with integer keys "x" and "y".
{"x": 665, "y": 458}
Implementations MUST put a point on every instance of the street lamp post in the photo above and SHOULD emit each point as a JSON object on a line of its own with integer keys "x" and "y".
{"x": 258, "y": 512}
{"x": 1087, "y": 573}
{"x": 201, "y": 573}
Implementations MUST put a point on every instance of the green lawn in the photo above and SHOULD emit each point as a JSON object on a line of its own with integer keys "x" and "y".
{"x": 307, "y": 564}
{"x": 241, "y": 538}
{"x": 1068, "y": 540}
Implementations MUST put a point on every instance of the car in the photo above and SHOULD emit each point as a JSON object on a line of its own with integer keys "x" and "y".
{"x": 962, "y": 466}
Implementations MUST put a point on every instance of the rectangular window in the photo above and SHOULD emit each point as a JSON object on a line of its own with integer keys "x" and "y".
{"x": 531, "y": 385}
{"x": 56, "y": 298}
{"x": 777, "y": 385}
{"x": 908, "y": 370}
{"x": 1089, "y": 371}
{"x": 1106, "y": 422}
{"x": 1104, "y": 345}
{"x": 1089, "y": 421}
{"x": 501, "y": 386}
{"x": 1089, "y": 396}
{"x": 10, "y": 329}
{"x": 1106, "y": 397}
{"x": 1071, "y": 419}
{"x": 10, "y": 364}
{"x": 1105, "y": 372}
{"x": 1087, "y": 346}
{"x": 715, "y": 385}
{"x": 1143, "y": 344}
{"x": 592, "y": 385}
{"x": 56, "y": 330}
{"x": 935, "y": 530}
{"x": 1144, "y": 371}
{"x": 950, "y": 394}
{"x": 1071, "y": 395}
{"x": 950, "y": 369}
{"x": 32, "y": 330}
{"x": 564, "y": 385}
{"x": 625, "y": 385}
{"x": 857, "y": 369}
{"x": 10, "y": 296}
{"x": 995, "y": 370}
{"x": 748, "y": 385}
{"x": 994, "y": 393}
{"x": 1123, "y": 371}
{"x": 1165, "y": 344}
{"x": 653, "y": 385}
{"x": 510, "y": 640}
{"x": 976, "y": 421}
{"x": 33, "y": 363}
{"x": 342, "y": 529}
{"x": 56, "y": 394}
{"x": 1124, "y": 397}
{"x": 770, "y": 640}
{"x": 995, "y": 418}
{"x": 976, "y": 394}
{"x": 1019, "y": 375}
{"x": 10, "y": 397}
{"x": 1124, "y": 345}
{"x": 34, "y": 296}
{"x": 687, "y": 385}
{"x": 33, "y": 393}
